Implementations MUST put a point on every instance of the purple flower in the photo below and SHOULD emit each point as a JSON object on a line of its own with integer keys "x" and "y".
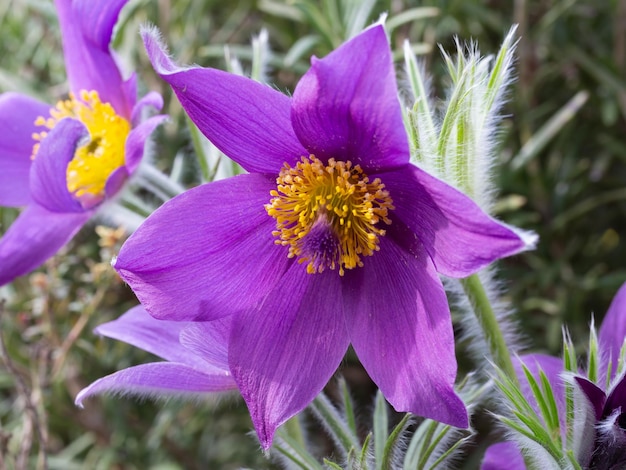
{"x": 607, "y": 402}
{"x": 333, "y": 239}
{"x": 61, "y": 163}
{"x": 196, "y": 356}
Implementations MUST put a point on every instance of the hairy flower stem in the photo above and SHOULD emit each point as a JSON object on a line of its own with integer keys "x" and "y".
{"x": 483, "y": 310}
{"x": 293, "y": 428}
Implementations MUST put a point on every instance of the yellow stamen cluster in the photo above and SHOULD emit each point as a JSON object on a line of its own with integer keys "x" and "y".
{"x": 337, "y": 198}
{"x": 94, "y": 161}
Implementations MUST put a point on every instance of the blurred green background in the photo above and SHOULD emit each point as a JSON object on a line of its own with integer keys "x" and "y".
{"x": 561, "y": 173}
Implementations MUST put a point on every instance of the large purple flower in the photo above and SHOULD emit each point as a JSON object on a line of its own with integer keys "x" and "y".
{"x": 333, "y": 238}
{"x": 608, "y": 402}
{"x": 61, "y": 163}
{"x": 195, "y": 353}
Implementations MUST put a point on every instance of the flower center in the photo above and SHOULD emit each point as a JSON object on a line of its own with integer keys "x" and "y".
{"x": 94, "y": 161}
{"x": 327, "y": 214}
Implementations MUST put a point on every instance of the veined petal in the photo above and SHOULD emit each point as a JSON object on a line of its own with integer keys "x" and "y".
{"x": 346, "y": 106}
{"x": 86, "y": 28}
{"x": 48, "y": 174}
{"x": 97, "y": 19}
{"x": 17, "y": 121}
{"x": 206, "y": 253}
{"x": 503, "y": 456}
{"x": 612, "y": 333}
{"x": 401, "y": 330}
{"x": 284, "y": 352}
{"x": 158, "y": 380}
{"x": 246, "y": 120}
{"x": 209, "y": 340}
{"x": 136, "y": 140}
{"x": 159, "y": 337}
{"x": 35, "y": 236}
{"x": 458, "y": 236}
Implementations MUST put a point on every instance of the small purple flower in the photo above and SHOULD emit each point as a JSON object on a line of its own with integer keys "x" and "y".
{"x": 332, "y": 239}
{"x": 196, "y": 357}
{"x": 61, "y": 163}
{"x": 607, "y": 403}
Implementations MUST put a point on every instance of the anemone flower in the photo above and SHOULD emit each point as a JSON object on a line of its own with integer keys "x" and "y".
{"x": 196, "y": 358}
{"x": 332, "y": 238}
{"x": 62, "y": 163}
{"x": 606, "y": 400}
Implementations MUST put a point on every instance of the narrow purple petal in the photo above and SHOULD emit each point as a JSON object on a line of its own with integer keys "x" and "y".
{"x": 346, "y": 106}
{"x": 17, "y": 121}
{"x": 158, "y": 380}
{"x": 136, "y": 141}
{"x": 400, "y": 327}
{"x": 595, "y": 395}
{"x": 159, "y": 337}
{"x": 34, "y": 237}
{"x": 209, "y": 340}
{"x": 153, "y": 100}
{"x": 86, "y": 28}
{"x": 459, "y": 237}
{"x": 613, "y": 331}
{"x": 48, "y": 174}
{"x": 205, "y": 253}
{"x": 285, "y": 351}
{"x": 246, "y": 120}
{"x": 503, "y": 456}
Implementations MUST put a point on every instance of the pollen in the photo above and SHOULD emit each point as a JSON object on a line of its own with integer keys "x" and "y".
{"x": 329, "y": 215}
{"x": 101, "y": 155}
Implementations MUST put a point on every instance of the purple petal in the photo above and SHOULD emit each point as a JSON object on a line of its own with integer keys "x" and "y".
{"x": 503, "y": 456}
{"x": 136, "y": 141}
{"x": 400, "y": 327}
{"x": 205, "y": 253}
{"x": 209, "y": 340}
{"x": 346, "y": 106}
{"x": 34, "y": 237}
{"x": 159, "y": 337}
{"x": 459, "y": 237}
{"x": 595, "y": 395}
{"x": 152, "y": 99}
{"x": 115, "y": 182}
{"x": 246, "y": 120}
{"x": 613, "y": 331}
{"x": 48, "y": 174}
{"x": 158, "y": 380}
{"x": 17, "y": 121}
{"x": 617, "y": 397}
{"x": 285, "y": 351}
{"x": 86, "y": 28}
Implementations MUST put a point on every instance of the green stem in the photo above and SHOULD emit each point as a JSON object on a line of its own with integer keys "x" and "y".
{"x": 475, "y": 291}
{"x": 293, "y": 429}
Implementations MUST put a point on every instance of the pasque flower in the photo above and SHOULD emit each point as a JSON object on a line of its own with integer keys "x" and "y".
{"x": 605, "y": 399}
{"x": 61, "y": 163}
{"x": 332, "y": 239}
{"x": 195, "y": 353}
